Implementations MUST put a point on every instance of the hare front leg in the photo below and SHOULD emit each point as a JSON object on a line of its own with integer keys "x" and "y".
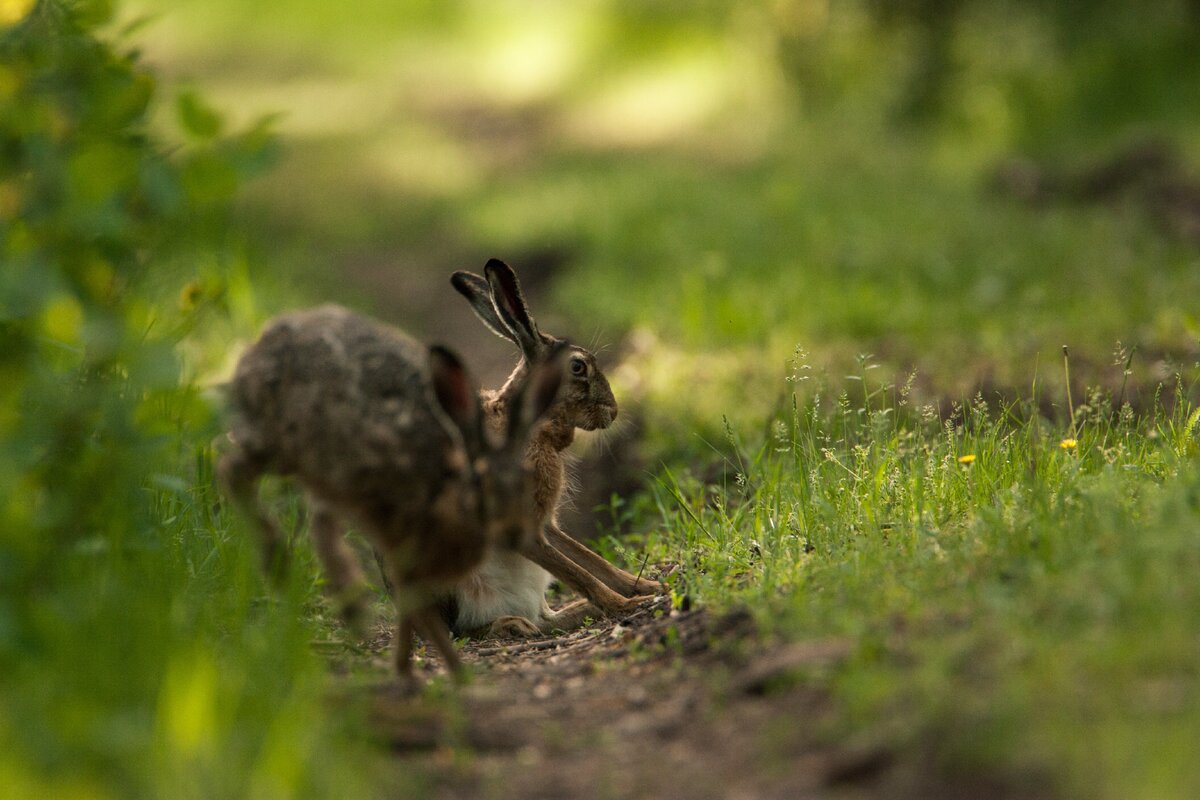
{"x": 346, "y": 582}
{"x": 513, "y": 627}
{"x": 611, "y": 576}
{"x": 404, "y": 647}
{"x": 433, "y": 630}
{"x": 428, "y": 623}
{"x": 562, "y": 567}
{"x": 567, "y": 618}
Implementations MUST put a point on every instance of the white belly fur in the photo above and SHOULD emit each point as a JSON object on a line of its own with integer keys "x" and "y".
{"x": 504, "y": 585}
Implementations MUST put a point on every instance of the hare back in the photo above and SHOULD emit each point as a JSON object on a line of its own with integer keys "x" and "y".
{"x": 343, "y": 403}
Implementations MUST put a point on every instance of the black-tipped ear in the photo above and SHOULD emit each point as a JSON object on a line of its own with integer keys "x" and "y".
{"x": 479, "y": 294}
{"x": 511, "y": 307}
{"x": 541, "y": 390}
{"x": 456, "y": 395}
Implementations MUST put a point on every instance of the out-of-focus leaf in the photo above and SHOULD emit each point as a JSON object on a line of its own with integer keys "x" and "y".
{"x": 197, "y": 117}
{"x": 94, "y": 12}
{"x": 209, "y": 179}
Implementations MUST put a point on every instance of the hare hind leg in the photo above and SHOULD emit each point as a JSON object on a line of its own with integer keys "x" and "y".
{"x": 581, "y": 580}
{"x": 240, "y": 473}
{"x": 613, "y": 577}
{"x": 346, "y": 582}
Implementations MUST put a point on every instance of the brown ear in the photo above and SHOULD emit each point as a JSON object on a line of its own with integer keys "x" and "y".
{"x": 456, "y": 395}
{"x": 479, "y": 294}
{"x": 511, "y": 307}
{"x": 539, "y": 393}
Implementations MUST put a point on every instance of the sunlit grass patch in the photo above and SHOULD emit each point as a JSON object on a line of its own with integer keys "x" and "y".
{"x": 1020, "y": 597}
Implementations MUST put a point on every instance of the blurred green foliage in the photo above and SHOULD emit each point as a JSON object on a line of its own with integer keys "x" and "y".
{"x": 135, "y": 657}
{"x": 732, "y": 175}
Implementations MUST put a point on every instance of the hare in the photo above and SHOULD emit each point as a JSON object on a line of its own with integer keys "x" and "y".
{"x": 507, "y": 591}
{"x": 386, "y": 434}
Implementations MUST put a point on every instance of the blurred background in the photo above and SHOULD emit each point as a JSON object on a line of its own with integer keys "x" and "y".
{"x": 952, "y": 186}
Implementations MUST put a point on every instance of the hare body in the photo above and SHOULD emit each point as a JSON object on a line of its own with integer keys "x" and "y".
{"x": 499, "y": 593}
{"x": 505, "y": 584}
{"x": 387, "y": 435}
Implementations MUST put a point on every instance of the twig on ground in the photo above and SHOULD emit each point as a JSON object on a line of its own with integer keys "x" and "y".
{"x": 520, "y": 647}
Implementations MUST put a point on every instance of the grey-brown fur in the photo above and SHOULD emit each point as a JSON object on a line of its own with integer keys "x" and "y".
{"x": 387, "y": 435}
{"x": 504, "y": 594}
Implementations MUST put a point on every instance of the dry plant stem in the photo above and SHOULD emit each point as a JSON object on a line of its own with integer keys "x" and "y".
{"x": 611, "y": 576}
{"x": 1125, "y": 377}
{"x": 1067, "y": 371}
{"x": 521, "y": 647}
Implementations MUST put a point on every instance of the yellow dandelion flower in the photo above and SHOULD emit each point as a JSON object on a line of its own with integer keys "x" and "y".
{"x": 1068, "y": 444}
{"x": 967, "y": 459}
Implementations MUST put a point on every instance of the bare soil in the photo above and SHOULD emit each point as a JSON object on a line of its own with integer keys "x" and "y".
{"x": 664, "y": 704}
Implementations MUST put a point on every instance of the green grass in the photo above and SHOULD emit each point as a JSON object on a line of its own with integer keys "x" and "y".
{"x": 1016, "y": 606}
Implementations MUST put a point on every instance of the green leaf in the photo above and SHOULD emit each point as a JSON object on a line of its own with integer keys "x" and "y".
{"x": 198, "y": 117}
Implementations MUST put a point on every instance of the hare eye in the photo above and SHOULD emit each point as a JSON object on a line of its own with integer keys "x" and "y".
{"x": 578, "y": 367}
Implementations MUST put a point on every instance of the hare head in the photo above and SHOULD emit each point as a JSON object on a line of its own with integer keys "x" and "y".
{"x": 586, "y": 400}
{"x": 501, "y": 485}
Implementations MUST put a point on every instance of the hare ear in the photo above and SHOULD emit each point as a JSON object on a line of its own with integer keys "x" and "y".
{"x": 479, "y": 294}
{"x": 456, "y": 396}
{"x": 511, "y": 307}
{"x": 539, "y": 393}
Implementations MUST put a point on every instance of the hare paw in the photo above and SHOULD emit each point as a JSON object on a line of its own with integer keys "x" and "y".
{"x": 512, "y": 628}
{"x": 654, "y": 587}
{"x": 633, "y": 604}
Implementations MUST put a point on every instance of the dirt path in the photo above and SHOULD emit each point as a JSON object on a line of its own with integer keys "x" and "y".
{"x": 665, "y": 704}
